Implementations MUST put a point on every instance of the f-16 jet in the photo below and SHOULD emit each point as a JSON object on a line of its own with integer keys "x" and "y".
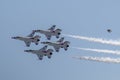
{"x": 29, "y": 39}
{"x": 58, "y": 44}
{"x": 50, "y": 32}
{"x": 41, "y": 52}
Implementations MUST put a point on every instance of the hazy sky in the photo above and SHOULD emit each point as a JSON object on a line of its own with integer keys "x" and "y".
{"x": 89, "y": 18}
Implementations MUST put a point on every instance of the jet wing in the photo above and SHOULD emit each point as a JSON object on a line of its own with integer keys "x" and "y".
{"x": 61, "y": 40}
{"x": 52, "y": 28}
{"x": 31, "y": 34}
{"x": 48, "y": 36}
{"x": 56, "y": 48}
{"x": 40, "y": 56}
{"x": 27, "y": 43}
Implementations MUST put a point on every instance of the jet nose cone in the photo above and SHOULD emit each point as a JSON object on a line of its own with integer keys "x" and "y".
{"x": 12, "y": 37}
{"x": 25, "y": 50}
{"x": 15, "y": 37}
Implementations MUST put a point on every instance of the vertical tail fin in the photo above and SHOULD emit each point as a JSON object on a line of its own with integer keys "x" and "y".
{"x": 61, "y": 39}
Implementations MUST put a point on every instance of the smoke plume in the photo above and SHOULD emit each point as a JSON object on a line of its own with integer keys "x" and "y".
{"x": 99, "y": 59}
{"x": 99, "y": 40}
{"x": 116, "y": 52}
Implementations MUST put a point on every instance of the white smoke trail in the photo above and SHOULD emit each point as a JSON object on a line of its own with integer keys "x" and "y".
{"x": 99, "y": 59}
{"x": 100, "y": 40}
{"x": 116, "y": 52}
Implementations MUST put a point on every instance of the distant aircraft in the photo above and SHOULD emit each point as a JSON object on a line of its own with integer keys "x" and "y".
{"x": 41, "y": 52}
{"x": 28, "y": 39}
{"x": 109, "y": 30}
{"x": 50, "y": 32}
{"x": 58, "y": 44}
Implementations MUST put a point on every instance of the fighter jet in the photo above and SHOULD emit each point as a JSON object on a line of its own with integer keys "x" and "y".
{"x": 109, "y": 30}
{"x": 28, "y": 39}
{"x": 50, "y": 32}
{"x": 58, "y": 44}
{"x": 41, "y": 52}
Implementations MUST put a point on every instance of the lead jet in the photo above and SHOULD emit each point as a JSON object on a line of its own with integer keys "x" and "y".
{"x": 50, "y": 32}
{"x": 41, "y": 52}
{"x": 58, "y": 44}
{"x": 29, "y": 39}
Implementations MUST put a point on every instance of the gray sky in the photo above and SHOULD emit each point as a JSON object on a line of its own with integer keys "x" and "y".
{"x": 79, "y": 17}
